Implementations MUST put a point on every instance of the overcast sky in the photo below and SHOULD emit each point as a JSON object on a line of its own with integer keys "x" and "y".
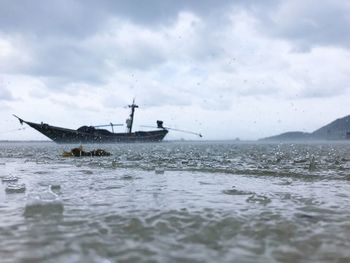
{"x": 228, "y": 69}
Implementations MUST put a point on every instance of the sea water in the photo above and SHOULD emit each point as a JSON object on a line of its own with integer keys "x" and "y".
{"x": 176, "y": 202}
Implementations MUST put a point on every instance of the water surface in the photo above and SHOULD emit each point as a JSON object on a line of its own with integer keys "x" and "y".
{"x": 177, "y": 202}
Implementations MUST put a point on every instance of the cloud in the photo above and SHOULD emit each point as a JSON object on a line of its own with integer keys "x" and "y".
{"x": 82, "y": 18}
{"x": 42, "y": 18}
{"x": 216, "y": 58}
{"x": 5, "y": 94}
{"x": 321, "y": 73}
{"x": 308, "y": 24}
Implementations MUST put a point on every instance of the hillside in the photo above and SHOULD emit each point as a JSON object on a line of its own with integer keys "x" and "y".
{"x": 335, "y": 130}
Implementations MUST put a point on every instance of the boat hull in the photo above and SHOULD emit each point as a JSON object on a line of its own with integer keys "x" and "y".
{"x": 63, "y": 135}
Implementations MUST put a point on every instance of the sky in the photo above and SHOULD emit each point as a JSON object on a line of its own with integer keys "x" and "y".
{"x": 228, "y": 69}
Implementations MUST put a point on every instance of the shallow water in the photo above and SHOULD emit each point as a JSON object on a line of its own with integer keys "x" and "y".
{"x": 177, "y": 202}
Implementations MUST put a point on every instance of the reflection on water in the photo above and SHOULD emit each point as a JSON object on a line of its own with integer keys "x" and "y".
{"x": 176, "y": 202}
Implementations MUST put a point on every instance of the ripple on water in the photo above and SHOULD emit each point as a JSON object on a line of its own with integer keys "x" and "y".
{"x": 10, "y": 179}
{"x": 258, "y": 199}
{"x": 43, "y": 203}
{"x": 234, "y": 191}
{"x": 41, "y": 172}
{"x": 15, "y": 188}
{"x": 127, "y": 177}
{"x": 159, "y": 170}
{"x": 86, "y": 172}
{"x": 282, "y": 211}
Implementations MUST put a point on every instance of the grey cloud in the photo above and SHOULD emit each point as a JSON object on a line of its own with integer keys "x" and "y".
{"x": 69, "y": 62}
{"x": 308, "y": 23}
{"x": 72, "y": 106}
{"x": 74, "y": 62}
{"x": 153, "y": 12}
{"x": 56, "y": 34}
{"x": 79, "y": 18}
{"x": 324, "y": 90}
{"x": 143, "y": 57}
{"x": 39, "y": 93}
{"x": 112, "y": 101}
{"x": 155, "y": 97}
{"x": 55, "y": 17}
{"x": 319, "y": 93}
{"x": 216, "y": 103}
{"x": 149, "y": 97}
{"x": 5, "y": 94}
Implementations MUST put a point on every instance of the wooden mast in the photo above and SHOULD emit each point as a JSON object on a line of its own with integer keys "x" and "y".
{"x": 131, "y": 120}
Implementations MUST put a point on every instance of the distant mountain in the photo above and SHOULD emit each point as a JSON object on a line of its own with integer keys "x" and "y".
{"x": 292, "y": 136}
{"x": 336, "y": 130}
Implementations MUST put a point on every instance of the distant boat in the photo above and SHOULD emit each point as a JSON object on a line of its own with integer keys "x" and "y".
{"x": 93, "y": 134}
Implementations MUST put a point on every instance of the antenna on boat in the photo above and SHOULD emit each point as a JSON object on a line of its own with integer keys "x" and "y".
{"x": 130, "y": 121}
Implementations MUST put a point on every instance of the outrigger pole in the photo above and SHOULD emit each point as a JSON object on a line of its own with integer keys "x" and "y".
{"x": 160, "y": 126}
{"x": 195, "y": 133}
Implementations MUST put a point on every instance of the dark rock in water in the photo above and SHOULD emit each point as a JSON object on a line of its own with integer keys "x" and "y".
{"x": 55, "y": 187}
{"x": 79, "y": 152}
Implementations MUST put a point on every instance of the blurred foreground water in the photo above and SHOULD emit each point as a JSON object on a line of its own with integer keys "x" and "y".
{"x": 176, "y": 202}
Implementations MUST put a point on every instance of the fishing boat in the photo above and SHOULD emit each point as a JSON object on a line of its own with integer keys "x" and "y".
{"x": 94, "y": 134}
